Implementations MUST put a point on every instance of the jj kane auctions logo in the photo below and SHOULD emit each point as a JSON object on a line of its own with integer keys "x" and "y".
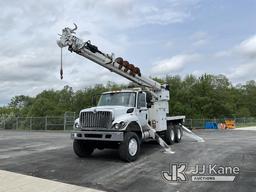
{"x": 178, "y": 172}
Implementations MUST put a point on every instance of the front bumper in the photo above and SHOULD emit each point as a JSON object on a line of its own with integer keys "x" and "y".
{"x": 98, "y": 135}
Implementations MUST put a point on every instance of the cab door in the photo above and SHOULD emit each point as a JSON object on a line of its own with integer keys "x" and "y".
{"x": 141, "y": 109}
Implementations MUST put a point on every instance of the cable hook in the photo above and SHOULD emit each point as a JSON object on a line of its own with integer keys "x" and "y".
{"x": 61, "y": 66}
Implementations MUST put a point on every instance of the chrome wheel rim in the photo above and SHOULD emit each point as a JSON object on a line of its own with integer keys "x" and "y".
{"x": 172, "y": 134}
{"x": 179, "y": 133}
{"x": 133, "y": 147}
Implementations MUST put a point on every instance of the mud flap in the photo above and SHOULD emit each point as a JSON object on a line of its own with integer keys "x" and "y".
{"x": 154, "y": 135}
{"x": 190, "y": 134}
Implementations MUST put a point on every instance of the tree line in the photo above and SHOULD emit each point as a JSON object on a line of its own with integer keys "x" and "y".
{"x": 207, "y": 96}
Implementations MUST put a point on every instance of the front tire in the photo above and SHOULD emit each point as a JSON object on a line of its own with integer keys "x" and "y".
{"x": 129, "y": 149}
{"x": 82, "y": 148}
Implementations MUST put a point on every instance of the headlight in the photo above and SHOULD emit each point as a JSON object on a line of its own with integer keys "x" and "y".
{"x": 122, "y": 124}
{"x": 119, "y": 125}
{"x": 76, "y": 125}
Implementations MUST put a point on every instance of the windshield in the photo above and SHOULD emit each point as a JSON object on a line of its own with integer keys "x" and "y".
{"x": 122, "y": 99}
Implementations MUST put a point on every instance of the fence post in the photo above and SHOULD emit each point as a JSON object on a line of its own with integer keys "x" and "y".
{"x": 17, "y": 123}
{"x": 45, "y": 128}
{"x": 4, "y": 123}
{"x": 191, "y": 123}
{"x": 65, "y": 121}
{"x": 30, "y": 123}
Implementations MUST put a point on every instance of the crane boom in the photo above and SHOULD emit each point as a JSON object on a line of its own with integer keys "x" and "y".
{"x": 116, "y": 65}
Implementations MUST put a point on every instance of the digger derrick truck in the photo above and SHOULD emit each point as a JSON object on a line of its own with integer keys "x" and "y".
{"x": 122, "y": 119}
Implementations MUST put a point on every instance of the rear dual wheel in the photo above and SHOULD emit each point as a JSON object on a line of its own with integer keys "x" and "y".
{"x": 173, "y": 134}
{"x": 178, "y": 133}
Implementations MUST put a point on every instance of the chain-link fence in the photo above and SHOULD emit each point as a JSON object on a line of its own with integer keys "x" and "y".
{"x": 39, "y": 123}
{"x": 66, "y": 122}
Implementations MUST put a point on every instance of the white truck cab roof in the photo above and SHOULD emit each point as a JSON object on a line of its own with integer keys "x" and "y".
{"x": 124, "y": 91}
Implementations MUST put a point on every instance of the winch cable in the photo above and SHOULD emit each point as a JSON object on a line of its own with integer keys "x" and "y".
{"x": 61, "y": 66}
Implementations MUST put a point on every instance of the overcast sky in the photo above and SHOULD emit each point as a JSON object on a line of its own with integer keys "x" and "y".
{"x": 166, "y": 37}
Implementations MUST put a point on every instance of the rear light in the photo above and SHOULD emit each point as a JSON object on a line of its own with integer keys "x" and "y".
{"x": 154, "y": 124}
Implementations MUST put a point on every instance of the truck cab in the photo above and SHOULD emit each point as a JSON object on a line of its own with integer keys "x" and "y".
{"x": 115, "y": 110}
{"x": 121, "y": 120}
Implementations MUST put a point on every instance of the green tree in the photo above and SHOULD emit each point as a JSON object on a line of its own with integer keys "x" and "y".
{"x": 207, "y": 96}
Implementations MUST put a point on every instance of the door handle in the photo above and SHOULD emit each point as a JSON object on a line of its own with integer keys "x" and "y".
{"x": 142, "y": 110}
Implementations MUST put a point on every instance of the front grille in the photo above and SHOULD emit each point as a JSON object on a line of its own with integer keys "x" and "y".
{"x": 99, "y": 119}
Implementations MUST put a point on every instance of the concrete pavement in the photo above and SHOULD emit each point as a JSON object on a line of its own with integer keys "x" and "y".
{"x": 13, "y": 182}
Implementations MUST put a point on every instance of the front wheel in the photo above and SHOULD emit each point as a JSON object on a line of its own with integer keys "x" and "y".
{"x": 129, "y": 149}
{"x": 82, "y": 148}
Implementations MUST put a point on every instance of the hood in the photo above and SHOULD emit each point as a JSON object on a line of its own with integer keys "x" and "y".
{"x": 116, "y": 110}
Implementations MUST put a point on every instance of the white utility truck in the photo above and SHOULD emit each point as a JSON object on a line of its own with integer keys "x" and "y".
{"x": 122, "y": 119}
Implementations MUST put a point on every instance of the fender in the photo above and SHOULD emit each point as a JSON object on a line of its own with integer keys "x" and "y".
{"x": 131, "y": 121}
{"x": 134, "y": 126}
